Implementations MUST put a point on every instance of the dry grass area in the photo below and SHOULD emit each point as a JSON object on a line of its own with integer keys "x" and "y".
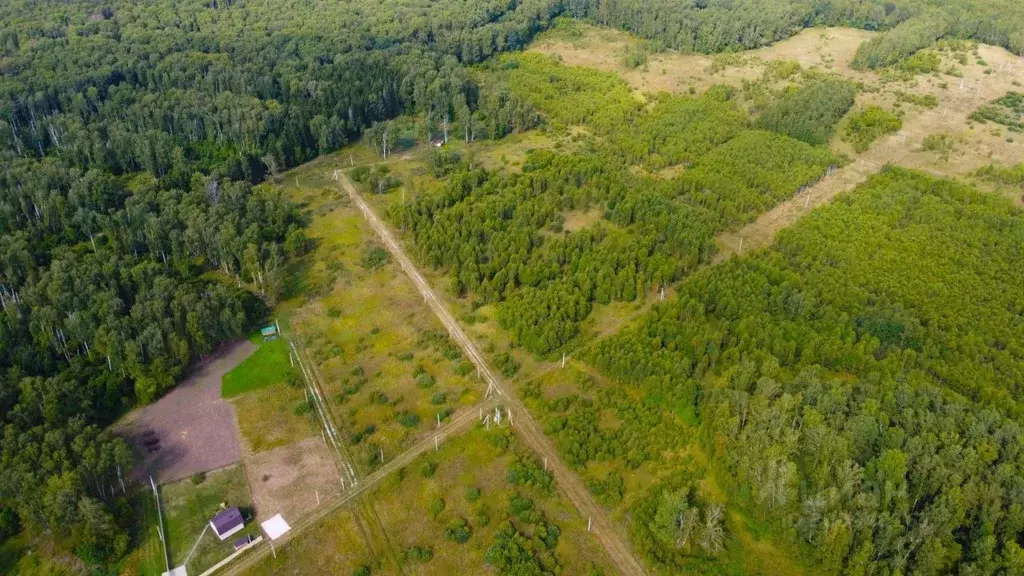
{"x": 336, "y": 547}
{"x": 288, "y": 480}
{"x": 974, "y": 145}
{"x": 267, "y": 419}
{"x": 827, "y": 49}
{"x": 577, "y": 220}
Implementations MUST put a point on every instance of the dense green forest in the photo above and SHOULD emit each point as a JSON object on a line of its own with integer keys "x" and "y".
{"x": 810, "y": 113}
{"x": 860, "y": 379}
{"x": 130, "y": 240}
{"x": 870, "y": 124}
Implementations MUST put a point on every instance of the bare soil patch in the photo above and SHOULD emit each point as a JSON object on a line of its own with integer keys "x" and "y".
{"x": 576, "y": 220}
{"x": 286, "y": 480}
{"x": 191, "y": 429}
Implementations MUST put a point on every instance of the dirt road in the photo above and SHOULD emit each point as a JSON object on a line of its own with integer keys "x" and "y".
{"x": 457, "y": 424}
{"x": 570, "y": 484}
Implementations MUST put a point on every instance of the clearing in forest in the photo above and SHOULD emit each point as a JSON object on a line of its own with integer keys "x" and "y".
{"x": 937, "y": 135}
{"x": 191, "y": 429}
{"x": 479, "y": 500}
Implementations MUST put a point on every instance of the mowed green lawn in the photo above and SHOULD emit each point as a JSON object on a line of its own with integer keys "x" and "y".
{"x": 267, "y": 366}
{"x": 188, "y": 508}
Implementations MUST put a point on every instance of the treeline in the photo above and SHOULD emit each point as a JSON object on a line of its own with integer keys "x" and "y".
{"x": 711, "y": 26}
{"x": 901, "y": 42}
{"x": 866, "y": 382}
{"x": 131, "y": 243}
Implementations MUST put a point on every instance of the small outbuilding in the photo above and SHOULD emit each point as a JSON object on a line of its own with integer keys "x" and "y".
{"x": 269, "y": 333}
{"x": 227, "y": 522}
{"x": 242, "y": 542}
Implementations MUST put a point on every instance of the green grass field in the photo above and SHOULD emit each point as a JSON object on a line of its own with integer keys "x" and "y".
{"x": 269, "y": 365}
{"x": 188, "y": 508}
{"x": 268, "y": 418}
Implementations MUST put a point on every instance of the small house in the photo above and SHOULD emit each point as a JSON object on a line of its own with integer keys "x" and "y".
{"x": 269, "y": 333}
{"x": 227, "y": 522}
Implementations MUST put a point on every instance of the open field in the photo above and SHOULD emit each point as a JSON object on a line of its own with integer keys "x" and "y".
{"x": 268, "y": 418}
{"x": 472, "y": 475}
{"x": 389, "y": 370}
{"x": 336, "y": 546}
{"x": 289, "y": 480}
{"x": 826, "y": 49}
{"x": 471, "y": 478}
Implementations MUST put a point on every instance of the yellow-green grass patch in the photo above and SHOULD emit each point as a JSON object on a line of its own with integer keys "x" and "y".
{"x": 471, "y": 476}
{"x": 270, "y": 417}
{"x": 335, "y": 546}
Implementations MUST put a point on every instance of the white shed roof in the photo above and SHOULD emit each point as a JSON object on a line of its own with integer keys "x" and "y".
{"x": 275, "y": 527}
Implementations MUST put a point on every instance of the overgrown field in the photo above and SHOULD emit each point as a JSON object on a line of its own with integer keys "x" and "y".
{"x": 481, "y": 500}
{"x": 388, "y": 369}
